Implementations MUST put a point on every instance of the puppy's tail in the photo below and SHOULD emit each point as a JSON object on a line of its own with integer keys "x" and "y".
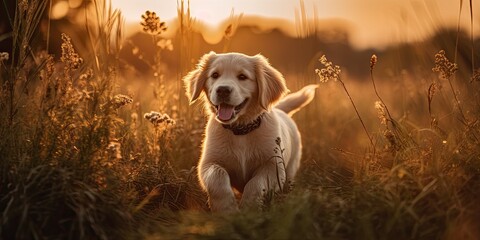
{"x": 295, "y": 101}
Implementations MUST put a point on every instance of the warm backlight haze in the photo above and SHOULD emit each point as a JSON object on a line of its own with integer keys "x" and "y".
{"x": 371, "y": 23}
{"x": 99, "y": 138}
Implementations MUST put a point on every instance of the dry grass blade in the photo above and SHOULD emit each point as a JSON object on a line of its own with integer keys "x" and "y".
{"x": 373, "y": 62}
{"x": 472, "y": 39}
{"x": 105, "y": 33}
{"x": 458, "y": 30}
{"x": 25, "y": 24}
{"x": 447, "y": 69}
{"x": 431, "y": 93}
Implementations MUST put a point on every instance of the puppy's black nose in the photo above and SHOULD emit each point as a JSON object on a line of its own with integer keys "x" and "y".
{"x": 223, "y": 92}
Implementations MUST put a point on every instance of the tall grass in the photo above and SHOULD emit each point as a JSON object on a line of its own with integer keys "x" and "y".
{"x": 75, "y": 162}
{"x": 83, "y": 156}
{"x": 24, "y": 23}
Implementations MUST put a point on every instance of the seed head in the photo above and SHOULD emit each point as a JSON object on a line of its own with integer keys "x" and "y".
{"x": 373, "y": 61}
{"x": 278, "y": 141}
{"x": 329, "y": 71}
{"x": 228, "y": 31}
{"x": 121, "y": 100}
{"x": 476, "y": 75}
{"x": 392, "y": 140}
{"x": 151, "y": 23}
{"x": 49, "y": 65}
{"x": 382, "y": 113}
{"x": 431, "y": 92}
{"x": 69, "y": 56}
{"x": 443, "y": 65}
{"x": 157, "y": 118}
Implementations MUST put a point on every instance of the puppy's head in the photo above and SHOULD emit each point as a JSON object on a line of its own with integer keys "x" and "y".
{"x": 234, "y": 86}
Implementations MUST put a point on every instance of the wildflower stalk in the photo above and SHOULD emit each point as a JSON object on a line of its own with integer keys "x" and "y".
{"x": 373, "y": 62}
{"x": 447, "y": 69}
{"x": 282, "y": 161}
{"x": 431, "y": 93}
{"x": 160, "y": 122}
{"x": 383, "y": 107}
{"x": 278, "y": 150}
{"x": 458, "y": 31}
{"x": 472, "y": 40}
{"x": 152, "y": 25}
{"x": 332, "y": 72}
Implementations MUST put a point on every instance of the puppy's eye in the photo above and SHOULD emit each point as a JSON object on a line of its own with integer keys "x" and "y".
{"x": 242, "y": 77}
{"x": 215, "y": 75}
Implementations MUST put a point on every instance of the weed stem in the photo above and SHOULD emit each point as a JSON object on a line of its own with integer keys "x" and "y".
{"x": 358, "y": 114}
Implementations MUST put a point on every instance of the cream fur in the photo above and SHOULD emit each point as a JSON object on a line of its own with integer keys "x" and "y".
{"x": 245, "y": 162}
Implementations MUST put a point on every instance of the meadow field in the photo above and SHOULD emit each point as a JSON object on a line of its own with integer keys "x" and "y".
{"x": 99, "y": 141}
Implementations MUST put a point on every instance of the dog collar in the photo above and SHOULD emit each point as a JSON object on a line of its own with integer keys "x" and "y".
{"x": 244, "y": 129}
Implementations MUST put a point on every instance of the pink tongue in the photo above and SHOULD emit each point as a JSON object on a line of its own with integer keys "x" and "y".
{"x": 225, "y": 112}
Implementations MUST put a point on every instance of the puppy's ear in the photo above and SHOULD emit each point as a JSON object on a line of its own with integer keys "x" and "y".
{"x": 271, "y": 84}
{"x": 195, "y": 80}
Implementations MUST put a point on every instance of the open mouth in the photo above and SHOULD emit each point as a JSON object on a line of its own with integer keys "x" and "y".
{"x": 226, "y": 112}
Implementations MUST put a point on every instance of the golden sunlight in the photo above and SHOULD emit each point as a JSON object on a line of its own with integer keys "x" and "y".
{"x": 120, "y": 118}
{"x": 372, "y": 23}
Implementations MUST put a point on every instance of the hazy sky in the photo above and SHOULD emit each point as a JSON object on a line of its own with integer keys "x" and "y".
{"x": 372, "y": 23}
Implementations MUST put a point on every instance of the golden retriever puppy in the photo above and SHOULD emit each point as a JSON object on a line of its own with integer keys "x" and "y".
{"x": 247, "y": 114}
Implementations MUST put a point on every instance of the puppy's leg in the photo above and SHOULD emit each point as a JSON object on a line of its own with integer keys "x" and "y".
{"x": 216, "y": 182}
{"x": 270, "y": 176}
